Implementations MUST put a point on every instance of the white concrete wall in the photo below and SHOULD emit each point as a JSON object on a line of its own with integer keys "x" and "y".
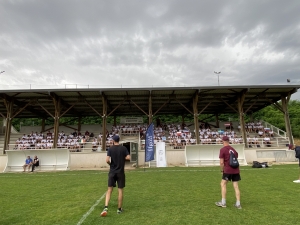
{"x": 175, "y": 157}
{"x": 3, "y": 161}
{"x": 55, "y": 159}
{"x": 209, "y": 154}
{"x": 250, "y": 155}
{"x": 88, "y": 160}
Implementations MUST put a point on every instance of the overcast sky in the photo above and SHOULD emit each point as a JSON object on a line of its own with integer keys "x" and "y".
{"x": 143, "y": 43}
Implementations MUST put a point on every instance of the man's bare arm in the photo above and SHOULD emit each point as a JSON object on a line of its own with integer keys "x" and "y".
{"x": 222, "y": 164}
{"x": 108, "y": 160}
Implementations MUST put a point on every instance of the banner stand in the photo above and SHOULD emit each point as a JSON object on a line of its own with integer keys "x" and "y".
{"x": 149, "y": 144}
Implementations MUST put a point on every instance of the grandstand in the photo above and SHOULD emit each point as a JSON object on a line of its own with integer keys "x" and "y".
{"x": 87, "y": 144}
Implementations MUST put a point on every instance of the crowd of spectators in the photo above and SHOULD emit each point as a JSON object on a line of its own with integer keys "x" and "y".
{"x": 175, "y": 135}
{"x": 73, "y": 141}
{"x": 262, "y": 135}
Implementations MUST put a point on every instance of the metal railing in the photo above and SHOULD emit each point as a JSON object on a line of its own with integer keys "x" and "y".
{"x": 260, "y": 143}
{"x": 276, "y": 130}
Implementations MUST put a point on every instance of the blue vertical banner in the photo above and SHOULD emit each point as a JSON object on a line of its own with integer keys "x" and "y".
{"x": 149, "y": 143}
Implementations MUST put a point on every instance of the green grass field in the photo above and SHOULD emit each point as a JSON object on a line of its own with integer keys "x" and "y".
{"x": 157, "y": 196}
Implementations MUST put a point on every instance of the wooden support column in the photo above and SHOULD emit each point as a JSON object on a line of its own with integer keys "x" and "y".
{"x": 241, "y": 99}
{"x": 251, "y": 117}
{"x": 196, "y": 119}
{"x": 56, "y": 118}
{"x": 79, "y": 124}
{"x": 288, "y": 128}
{"x": 43, "y": 125}
{"x": 9, "y": 114}
{"x": 104, "y": 103}
{"x": 150, "y": 115}
{"x": 217, "y": 120}
{"x": 182, "y": 120}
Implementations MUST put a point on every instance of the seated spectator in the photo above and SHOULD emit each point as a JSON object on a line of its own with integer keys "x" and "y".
{"x": 255, "y": 140}
{"x": 271, "y": 133}
{"x": 35, "y": 163}
{"x": 75, "y": 133}
{"x": 28, "y": 163}
{"x": 249, "y": 141}
{"x": 94, "y": 144}
{"x": 267, "y": 141}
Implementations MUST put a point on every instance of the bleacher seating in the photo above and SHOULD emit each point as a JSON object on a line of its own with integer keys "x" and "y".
{"x": 176, "y": 136}
{"x": 73, "y": 141}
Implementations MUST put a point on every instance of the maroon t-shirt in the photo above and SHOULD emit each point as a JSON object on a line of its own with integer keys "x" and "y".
{"x": 224, "y": 154}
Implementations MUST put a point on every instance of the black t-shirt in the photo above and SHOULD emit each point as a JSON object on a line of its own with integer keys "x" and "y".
{"x": 297, "y": 152}
{"x": 36, "y": 161}
{"x": 117, "y": 155}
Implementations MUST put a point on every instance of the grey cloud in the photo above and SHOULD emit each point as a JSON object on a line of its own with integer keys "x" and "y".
{"x": 150, "y": 42}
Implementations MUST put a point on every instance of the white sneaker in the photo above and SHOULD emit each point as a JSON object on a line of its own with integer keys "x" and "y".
{"x": 297, "y": 181}
{"x": 220, "y": 204}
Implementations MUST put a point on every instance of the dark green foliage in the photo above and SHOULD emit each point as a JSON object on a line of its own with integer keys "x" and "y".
{"x": 274, "y": 116}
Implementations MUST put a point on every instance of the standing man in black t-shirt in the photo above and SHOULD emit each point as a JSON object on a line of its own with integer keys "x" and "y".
{"x": 116, "y": 156}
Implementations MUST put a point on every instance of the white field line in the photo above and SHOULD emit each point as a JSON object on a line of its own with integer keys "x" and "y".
{"x": 91, "y": 210}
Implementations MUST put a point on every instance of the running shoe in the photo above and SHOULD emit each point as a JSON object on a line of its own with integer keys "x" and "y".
{"x": 119, "y": 211}
{"x": 220, "y": 204}
{"x": 104, "y": 212}
{"x": 237, "y": 206}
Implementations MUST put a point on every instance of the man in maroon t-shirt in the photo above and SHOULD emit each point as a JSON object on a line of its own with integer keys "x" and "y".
{"x": 229, "y": 173}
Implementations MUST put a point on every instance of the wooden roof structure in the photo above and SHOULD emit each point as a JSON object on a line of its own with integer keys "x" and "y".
{"x": 105, "y": 102}
{"x": 38, "y": 103}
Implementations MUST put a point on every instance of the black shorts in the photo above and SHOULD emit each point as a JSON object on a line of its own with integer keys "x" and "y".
{"x": 231, "y": 177}
{"x": 116, "y": 177}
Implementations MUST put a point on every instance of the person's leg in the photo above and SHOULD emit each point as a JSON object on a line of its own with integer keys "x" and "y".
{"x": 237, "y": 191}
{"x": 24, "y": 166}
{"x": 108, "y": 195}
{"x": 299, "y": 168}
{"x": 32, "y": 168}
{"x": 237, "y": 195}
{"x": 111, "y": 182}
{"x": 223, "y": 185}
{"x": 107, "y": 199}
{"x": 121, "y": 184}
{"x": 223, "y": 191}
{"x": 120, "y": 198}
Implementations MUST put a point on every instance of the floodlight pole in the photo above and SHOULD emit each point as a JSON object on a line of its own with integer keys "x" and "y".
{"x": 218, "y": 77}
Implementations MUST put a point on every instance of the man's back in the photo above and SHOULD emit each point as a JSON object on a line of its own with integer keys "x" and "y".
{"x": 297, "y": 152}
{"x": 224, "y": 153}
{"x": 117, "y": 154}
